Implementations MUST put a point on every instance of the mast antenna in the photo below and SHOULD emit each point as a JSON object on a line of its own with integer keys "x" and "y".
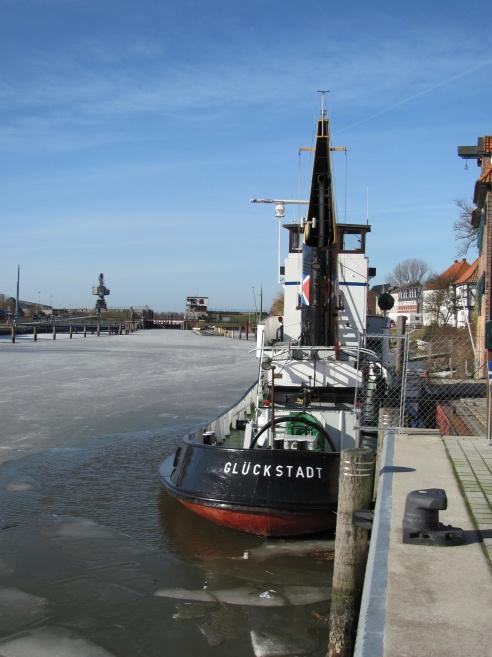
{"x": 323, "y": 104}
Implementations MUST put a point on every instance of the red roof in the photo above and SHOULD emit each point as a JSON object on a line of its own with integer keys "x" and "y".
{"x": 455, "y": 271}
{"x": 451, "y": 275}
{"x": 470, "y": 275}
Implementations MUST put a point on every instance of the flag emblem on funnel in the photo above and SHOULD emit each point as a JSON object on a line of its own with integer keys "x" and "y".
{"x": 305, "y": 290}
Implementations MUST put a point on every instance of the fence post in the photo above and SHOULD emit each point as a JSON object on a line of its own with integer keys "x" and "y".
{"x": 388, "y": 417}
{"x": 351, "y": 545}
{"x": 401, "y": 323}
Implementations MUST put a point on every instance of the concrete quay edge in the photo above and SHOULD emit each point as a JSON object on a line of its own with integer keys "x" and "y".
{"x": 428, "y": 601}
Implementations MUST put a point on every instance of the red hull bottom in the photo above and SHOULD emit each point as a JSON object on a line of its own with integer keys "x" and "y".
{"x": 264, "y": 524}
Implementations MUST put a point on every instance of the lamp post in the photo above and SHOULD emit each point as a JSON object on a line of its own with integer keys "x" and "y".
{"x": 16, "y": 314}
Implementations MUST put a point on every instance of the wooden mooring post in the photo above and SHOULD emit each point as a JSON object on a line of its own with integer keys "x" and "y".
{"x": 351, "y": 546}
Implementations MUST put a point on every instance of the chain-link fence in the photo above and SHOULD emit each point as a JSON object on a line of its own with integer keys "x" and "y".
{"x": 426, "y": 379}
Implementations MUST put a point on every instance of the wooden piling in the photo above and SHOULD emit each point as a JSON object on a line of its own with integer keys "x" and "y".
{"x": 351, "y": 546}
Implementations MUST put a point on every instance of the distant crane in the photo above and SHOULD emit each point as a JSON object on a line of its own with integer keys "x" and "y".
{"x": 101, "y": 291}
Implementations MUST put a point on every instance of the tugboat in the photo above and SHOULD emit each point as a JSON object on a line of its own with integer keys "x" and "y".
{"x": 269, "y": 466}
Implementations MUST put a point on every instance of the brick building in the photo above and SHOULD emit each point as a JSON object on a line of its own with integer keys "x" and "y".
{"x": 482, "y": 221}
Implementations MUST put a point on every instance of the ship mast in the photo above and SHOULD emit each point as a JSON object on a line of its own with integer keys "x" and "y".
{"x": 320, "y": 246}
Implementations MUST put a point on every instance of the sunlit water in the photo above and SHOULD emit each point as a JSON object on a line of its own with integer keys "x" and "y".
{"x": 88, "y": 536}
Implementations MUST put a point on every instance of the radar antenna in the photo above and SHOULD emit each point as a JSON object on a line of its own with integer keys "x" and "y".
{"x": 323, "y": 105}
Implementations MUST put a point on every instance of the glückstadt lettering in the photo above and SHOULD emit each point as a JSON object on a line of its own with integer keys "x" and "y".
{"x": 263, "y": 470}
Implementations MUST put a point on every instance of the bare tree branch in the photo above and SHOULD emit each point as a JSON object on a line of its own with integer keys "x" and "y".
{"x": 464, "y": 233}
{"x": 442, "y": 303}
{"x": 409, "y": 272}
{"x": 278, "y": 305}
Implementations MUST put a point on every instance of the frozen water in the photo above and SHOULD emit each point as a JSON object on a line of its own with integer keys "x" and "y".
{"x": 62, "y": 392}
{"x": 268, "y": 643}
{"x": 251, "y": 597}
{"x": 322, "y": 548}
{"x": 19, "y": 609}
{"x": 50, "y": 642}
{"x": 87, "y": 534}
{"x": 100, "y": 585}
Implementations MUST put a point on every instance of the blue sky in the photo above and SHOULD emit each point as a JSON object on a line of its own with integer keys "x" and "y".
{"x": 133, "y": 134}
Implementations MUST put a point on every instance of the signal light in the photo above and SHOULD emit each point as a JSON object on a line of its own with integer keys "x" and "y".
{"x": 488, "y": 334}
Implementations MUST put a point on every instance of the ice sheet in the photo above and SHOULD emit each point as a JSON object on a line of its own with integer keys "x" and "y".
{"x": 50, "y": 642}
{"x": 61, "y": 393}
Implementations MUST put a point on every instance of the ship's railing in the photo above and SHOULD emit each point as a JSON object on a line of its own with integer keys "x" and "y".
{"x": 289, "y": 351}
{"x": 221, "y": 426}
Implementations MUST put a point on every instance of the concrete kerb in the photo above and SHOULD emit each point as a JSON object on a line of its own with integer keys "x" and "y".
{"x": 370, "y": 631}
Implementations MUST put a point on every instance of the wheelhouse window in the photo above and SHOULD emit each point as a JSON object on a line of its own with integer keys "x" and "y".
{"x": 352, "y": 238}
{"x": 295, "y": 240}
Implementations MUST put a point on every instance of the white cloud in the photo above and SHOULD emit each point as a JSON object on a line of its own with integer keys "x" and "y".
{"x": 91, "y": 88}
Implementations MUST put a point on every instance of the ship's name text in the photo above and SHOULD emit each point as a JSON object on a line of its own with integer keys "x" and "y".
{"x": 259, "y": 470}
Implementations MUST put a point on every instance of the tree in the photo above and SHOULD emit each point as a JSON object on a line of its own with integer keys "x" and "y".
{"x": 464, "y": 233}
{"x": 440, "y": 301}
{"x": 409, "y": 272}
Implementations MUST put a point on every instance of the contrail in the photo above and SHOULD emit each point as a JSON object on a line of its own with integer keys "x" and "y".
{"x": 417, "y": 95}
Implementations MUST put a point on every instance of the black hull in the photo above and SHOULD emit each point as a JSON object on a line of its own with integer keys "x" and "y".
{"x": 261, "y": 491}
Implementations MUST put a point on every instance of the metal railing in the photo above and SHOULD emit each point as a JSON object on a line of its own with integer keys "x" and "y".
{"x": 429, "y": 376}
